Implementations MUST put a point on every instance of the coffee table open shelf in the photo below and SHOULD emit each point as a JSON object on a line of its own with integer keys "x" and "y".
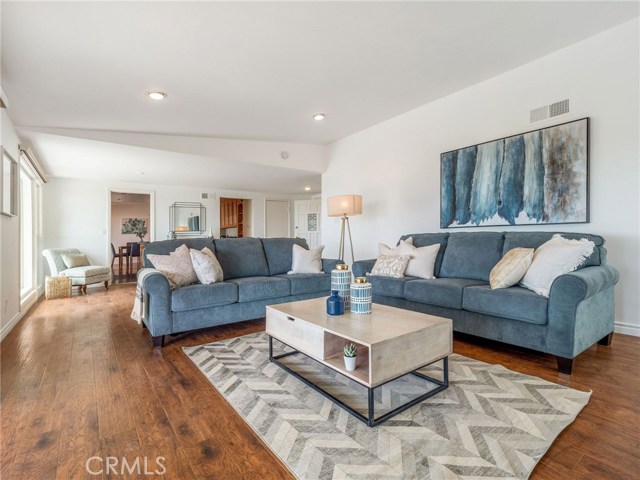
{"x": 391, "y": 343}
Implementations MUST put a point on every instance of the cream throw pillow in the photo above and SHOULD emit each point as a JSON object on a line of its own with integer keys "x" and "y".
{"x": 73, "y": 260}
{"x": 554, "y": 258}
{"x": 511, "y": 268}
{"x": 422, "y": 260}
{"x": 177, "y": 266}
{"x": 206, "y": 266}
{"x": 390, "y": 266}
{"x": 306, "y": 261}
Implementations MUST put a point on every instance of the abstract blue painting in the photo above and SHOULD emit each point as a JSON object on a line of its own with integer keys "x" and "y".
{"x": 535, "y": 178}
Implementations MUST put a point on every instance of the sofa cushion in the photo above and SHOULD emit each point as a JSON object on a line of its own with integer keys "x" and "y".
{"x": 471, "y": 255}
{"x": 202, "y": 296}
{"x": 515, "y": 302}
{"x": 308, "y": 282}
{"x": 388, "y": 286}
{"x": 278, "y": 253}
{"x": 445, "y": 292}
{"x": 241, "y": 257}
{"x": 260, "y": 288}
{"x": 424, "y": 239}
{"x": 535, "y": 239}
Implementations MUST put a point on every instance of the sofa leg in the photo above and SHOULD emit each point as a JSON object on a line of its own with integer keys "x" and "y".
{"x": 606, "y": 340}
{"x": 106, "y": 284}
{"x": 158, "y": 342}
{"x": 564, "y": 364}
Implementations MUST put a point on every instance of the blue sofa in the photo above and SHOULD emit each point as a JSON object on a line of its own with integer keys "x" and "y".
{"x": 255, "y": 275}
{"x": 579, "y": 312}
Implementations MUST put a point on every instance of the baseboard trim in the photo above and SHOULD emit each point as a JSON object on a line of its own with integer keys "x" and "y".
{"x": 23, "y": 311}
{"x": 627, "y": 329}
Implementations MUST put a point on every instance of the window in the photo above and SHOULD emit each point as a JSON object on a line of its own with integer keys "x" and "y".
{"x": 30, "y": 186}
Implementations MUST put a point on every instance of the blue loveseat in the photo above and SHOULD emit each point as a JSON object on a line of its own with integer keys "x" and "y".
{"x": 255, "y": 275}
{"x": 578, "y": 313}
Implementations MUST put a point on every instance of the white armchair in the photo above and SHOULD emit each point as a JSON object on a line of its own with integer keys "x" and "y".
{"x": 80, "y": 276}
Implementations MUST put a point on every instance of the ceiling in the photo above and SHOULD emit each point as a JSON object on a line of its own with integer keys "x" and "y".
{"x": 260, "y": 70}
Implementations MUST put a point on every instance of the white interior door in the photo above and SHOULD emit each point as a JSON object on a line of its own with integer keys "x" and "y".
{"x": 307, "y": 221}
{"x": 277, "y": 218}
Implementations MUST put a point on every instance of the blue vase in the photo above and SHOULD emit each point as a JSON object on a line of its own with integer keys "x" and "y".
{"x": 335, "y": 304}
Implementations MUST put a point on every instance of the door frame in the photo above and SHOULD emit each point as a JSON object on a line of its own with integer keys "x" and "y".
{"x": 152, "y": 213}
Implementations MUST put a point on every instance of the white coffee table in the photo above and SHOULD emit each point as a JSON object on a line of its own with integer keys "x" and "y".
{"x": 392, "y": 342}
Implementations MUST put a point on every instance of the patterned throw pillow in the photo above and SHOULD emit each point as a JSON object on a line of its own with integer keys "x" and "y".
{"x": 511, "y": 268}
{"x": 177, "y": 266}
{"x": 306, "y": 261}
{"x": 206, "y": 265}
{"x": 390, "y": 266}
{"x": 554, "y": 258}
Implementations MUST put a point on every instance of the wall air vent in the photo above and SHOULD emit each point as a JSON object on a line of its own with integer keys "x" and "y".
{"x": 205, "y": 195}
{"x": 549, "y": 111}
{"x": 559, "y": 108}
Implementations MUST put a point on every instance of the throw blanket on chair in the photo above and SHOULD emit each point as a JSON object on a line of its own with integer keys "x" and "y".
{"x": 138, "y": 311}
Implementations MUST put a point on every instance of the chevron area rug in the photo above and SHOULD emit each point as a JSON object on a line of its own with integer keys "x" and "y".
{"x": 490, "y": 423}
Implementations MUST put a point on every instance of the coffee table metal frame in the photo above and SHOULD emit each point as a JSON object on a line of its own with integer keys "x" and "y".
{"x": 370, "y": 419}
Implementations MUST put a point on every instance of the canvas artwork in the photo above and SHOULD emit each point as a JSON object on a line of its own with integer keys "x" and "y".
{"x": 134, "y": 226}
{"x": 535, "y": 178}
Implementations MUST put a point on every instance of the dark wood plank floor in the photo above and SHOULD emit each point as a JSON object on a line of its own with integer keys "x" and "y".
{"x": 79, "y": 379}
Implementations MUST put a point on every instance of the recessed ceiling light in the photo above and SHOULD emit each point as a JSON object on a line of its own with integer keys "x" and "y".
{"x": 307, "y": 188}
{"x": 319, "y": 116}
{"x": 156, "y": 95}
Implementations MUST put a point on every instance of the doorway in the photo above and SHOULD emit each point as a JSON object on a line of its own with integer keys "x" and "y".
{"x": 130, "y": 223}
{"x": 277, "y": 222}
{"x": 307, "y": 221}
{"x": 235, "y": 217}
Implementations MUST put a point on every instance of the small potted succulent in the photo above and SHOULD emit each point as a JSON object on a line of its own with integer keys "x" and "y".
{"x": 350, "y": 354}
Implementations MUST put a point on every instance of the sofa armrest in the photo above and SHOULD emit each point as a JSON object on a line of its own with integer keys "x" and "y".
{"x": 156, "y": 285}
{"x": 581, "y": 309}
{"x": 362, "y": 267}
{"x": 581, "y": 284}
{"x": 329, "y": 264}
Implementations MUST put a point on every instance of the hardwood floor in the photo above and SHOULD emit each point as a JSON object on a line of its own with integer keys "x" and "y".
{"x": 79, "y": 379}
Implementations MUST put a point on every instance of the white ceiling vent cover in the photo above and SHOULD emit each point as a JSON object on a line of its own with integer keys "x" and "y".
{"x": 549, "y": 111}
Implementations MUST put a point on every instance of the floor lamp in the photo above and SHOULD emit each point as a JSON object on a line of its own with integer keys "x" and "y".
{"x": 344, "y": 206}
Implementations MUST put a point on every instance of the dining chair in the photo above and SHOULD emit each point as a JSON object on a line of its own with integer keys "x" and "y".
{"x": 119, "y": 256}
{"x": 134, "y": 253}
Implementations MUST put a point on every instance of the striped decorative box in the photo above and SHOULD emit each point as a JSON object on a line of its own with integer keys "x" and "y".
{"x": 361, "y": 296}
{"x": 341, "y": 281}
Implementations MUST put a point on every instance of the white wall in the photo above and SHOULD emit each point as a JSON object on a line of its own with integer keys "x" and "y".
{"x": 9, "y": 241}
{"x": 76, "y": 212}
{"x": 395, "y": 165}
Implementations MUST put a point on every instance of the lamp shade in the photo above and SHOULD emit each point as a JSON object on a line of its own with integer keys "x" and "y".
{"x": 344, "y": 205}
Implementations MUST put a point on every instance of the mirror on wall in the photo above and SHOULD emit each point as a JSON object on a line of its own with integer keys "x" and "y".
{"x": 187, "y": 219}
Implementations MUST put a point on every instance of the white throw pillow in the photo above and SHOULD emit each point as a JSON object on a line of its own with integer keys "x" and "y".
{"x": 511, "y": 268}
{"x": 206, "y": 265}
{"x": 73, "y": 260}
{"x": 177, "y": 266}
{"x": 422, "y": 260}
{"x": 554, "y": 258}
{"x": 390, "y": 266}
{"x": 384, "y": 249}
{"x": 306, "y": 261}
